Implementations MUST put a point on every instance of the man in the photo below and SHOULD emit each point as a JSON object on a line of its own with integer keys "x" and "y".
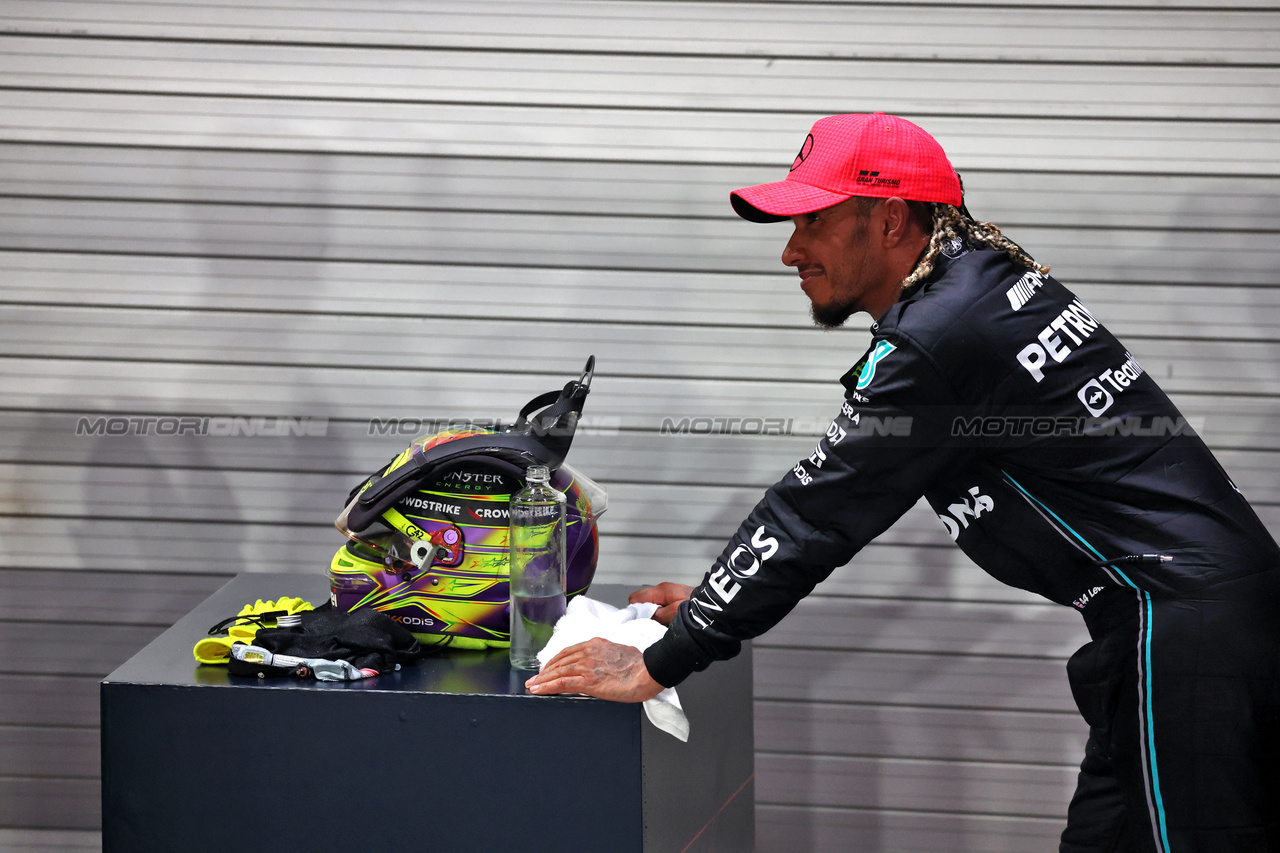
{"x": 1054, "y": 462}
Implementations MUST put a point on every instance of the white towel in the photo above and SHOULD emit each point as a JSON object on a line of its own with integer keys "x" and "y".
{"x": 586, "y": 619}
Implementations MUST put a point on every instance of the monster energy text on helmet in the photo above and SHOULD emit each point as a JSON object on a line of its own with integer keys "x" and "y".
{"x": 429, "y": 531}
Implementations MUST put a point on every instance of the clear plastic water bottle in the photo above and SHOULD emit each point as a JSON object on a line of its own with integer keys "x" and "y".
{"x": 537, "y": 566}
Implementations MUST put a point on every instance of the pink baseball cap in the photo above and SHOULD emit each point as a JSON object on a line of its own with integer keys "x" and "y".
{"x": 873, "y": 155}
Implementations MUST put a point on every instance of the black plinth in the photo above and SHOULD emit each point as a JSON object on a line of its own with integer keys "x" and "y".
{"x": 448, "y": 755}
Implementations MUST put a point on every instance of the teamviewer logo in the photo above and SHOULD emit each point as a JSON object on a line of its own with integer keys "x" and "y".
{"x": 1095, "y": 398}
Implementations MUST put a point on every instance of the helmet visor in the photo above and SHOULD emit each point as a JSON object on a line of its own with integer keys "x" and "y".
{"x": 588, "y": 499}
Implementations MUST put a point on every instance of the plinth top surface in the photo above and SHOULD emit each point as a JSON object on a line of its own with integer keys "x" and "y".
{"x": 168, "y": 659}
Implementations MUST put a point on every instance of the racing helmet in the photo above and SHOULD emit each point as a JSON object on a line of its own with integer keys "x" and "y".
{"x": 429, "y": 531}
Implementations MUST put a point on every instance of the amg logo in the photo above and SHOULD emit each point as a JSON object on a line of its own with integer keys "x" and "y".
{"x": 1024, "y": 289}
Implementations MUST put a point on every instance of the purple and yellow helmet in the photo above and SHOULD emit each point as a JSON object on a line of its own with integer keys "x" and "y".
{"x": 429, "y": 531}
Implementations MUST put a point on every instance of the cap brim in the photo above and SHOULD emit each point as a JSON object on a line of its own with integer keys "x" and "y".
{"x": 781, "y": 200}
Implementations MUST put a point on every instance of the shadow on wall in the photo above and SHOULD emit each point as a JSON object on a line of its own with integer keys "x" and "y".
{"x": 1238, "y": 353}
{"x": 234, "y": 280}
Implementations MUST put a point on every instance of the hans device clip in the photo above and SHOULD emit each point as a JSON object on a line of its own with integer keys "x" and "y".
{"x": 541, "y": 435}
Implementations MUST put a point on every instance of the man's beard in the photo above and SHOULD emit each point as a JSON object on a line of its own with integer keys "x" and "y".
{"x": 831, "y": 316}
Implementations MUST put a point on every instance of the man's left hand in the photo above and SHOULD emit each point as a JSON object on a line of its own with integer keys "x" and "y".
{"x": 597, "y": 668}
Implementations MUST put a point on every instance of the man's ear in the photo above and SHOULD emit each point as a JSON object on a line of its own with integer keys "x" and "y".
{"x": 897, "y": 221}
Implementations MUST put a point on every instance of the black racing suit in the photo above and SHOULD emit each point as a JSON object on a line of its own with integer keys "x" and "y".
{"x": 1055, "y": 462}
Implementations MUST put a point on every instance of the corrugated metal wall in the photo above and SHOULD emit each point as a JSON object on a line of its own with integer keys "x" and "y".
{"x": 314, "y": 209}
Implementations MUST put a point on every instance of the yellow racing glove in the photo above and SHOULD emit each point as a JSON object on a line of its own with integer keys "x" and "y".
{"x": 242, "y": 627}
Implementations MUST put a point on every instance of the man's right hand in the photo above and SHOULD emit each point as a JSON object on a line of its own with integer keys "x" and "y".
{"x": 667, "y": 595}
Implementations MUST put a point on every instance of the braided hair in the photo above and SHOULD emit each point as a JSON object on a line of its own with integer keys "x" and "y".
{"x": 951, "y": 224}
